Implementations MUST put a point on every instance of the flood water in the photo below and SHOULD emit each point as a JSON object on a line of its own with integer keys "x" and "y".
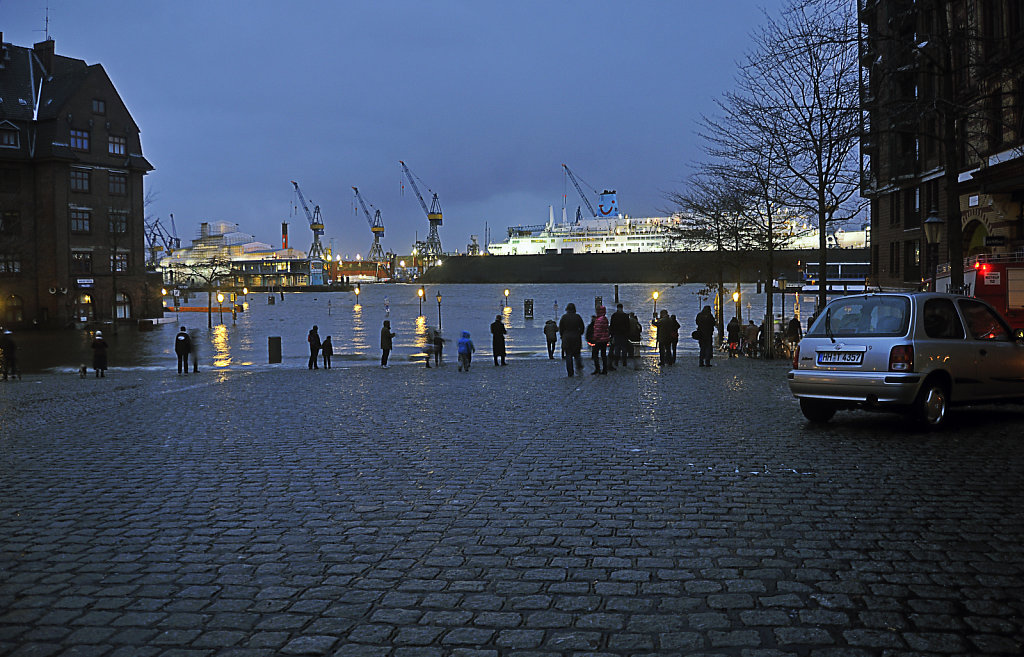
{"x": 354, "y": 324}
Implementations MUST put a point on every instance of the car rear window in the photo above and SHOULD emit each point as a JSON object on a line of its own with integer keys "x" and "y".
{"x": 863, "y": 316}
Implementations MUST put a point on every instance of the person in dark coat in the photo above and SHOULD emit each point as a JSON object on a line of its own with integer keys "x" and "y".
{"x": 571, "y": 328}
{"x": 636, "y": 334}
{"x": 386, "y": 336}
{"x": 734, "y": 330}
{"x": 498, "y": 339}
{"x": 8, "y": 356}
{"x": 705, "y": 335}
{"x": 99, "y": 354}
{"x": 673, "y": 338}
{"x": 314, "y": 347}
{"x": 327, "y": 350}
{"x": 182, "y": 348}
{"x": 551, "y": 336}
{"x": 618, "y": 326}
{"x": 438, "y": 347}
{"x": 667, "y": 327}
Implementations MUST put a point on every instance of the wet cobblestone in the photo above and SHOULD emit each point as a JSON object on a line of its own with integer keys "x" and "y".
{"x": 507, "y": 511}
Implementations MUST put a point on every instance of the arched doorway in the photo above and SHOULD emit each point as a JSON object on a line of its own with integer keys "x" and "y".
{"x": 975, "y": 233}
{"x": 83, "y": 308}
{"x": 122, "y": 306}
{"x": 12, "y": 310}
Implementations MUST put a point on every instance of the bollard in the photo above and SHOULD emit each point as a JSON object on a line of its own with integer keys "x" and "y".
{"x": 274, "y": 347}
{"x": 528, "y": 308}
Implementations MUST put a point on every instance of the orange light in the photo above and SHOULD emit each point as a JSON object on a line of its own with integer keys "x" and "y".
{"x": 977, "y": 265}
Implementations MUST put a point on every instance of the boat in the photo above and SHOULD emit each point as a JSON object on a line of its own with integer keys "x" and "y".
{"x": 611, "y": 233}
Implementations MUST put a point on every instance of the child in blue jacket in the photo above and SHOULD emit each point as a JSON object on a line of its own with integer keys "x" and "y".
{"x": 466, "y": 350}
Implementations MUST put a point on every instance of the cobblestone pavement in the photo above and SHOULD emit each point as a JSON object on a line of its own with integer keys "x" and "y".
{"x": 507, "y": 511}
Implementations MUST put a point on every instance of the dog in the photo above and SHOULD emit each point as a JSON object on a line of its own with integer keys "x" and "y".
{"x": 83, "y": 372}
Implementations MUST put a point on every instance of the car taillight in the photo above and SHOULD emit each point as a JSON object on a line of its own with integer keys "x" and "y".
{"x": 796, "y": 357}
{"x": 901, "y": 358}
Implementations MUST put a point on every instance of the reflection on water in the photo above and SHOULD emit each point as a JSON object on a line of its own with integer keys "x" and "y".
{"x": 354, "y": 322}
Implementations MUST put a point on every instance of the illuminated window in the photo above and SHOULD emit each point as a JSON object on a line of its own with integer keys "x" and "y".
{"x": 117, "y": 145}
{"x": 80, "y": 140}
{"x": 81, "y": 262}
{"x": 9, "y": 263}
{"x": 119, "y": 262}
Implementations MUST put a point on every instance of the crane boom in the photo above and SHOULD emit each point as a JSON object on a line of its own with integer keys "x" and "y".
{"x": 580, "y": 190}
{"x": 408, "y": 174}
{"x": 316, "y": 224}
{"x": 376, "y": 224}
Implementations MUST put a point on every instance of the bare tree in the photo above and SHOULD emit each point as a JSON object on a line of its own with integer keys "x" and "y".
{"x": 800, "y": 85}
{"x": 711, "y": 213}
{"x": 206, "y": 274}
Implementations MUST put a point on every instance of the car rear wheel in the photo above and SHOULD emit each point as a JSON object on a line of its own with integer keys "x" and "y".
{"x": 818, "y": 411}
{"x": 931, "y": 404}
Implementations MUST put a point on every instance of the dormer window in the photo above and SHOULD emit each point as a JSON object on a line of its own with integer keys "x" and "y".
{"x": 9, "y": 136}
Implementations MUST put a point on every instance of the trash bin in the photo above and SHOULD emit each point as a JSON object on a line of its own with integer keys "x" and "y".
{"x": 274, "y": 347}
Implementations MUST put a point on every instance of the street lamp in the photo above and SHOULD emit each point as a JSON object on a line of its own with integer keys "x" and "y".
{"x": 736, "y": 300}
{"x": 420, "y": 292}
{"x": 506, "y": 298}
{"x": 932, "y": 229}
{"x": 655, "y": 297}
{"x": 439, "y": 312}
{"x": 220, "y": 304}
{"x": 245, "y": 293}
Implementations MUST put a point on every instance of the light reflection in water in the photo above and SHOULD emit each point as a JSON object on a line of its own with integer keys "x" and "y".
{"x": 221, "y": 348}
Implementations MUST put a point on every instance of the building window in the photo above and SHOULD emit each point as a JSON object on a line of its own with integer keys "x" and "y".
{"x": 79, "y": 180}
{"x": 119, "y": 262}
{"x": 894, "y": 259}
{"x": 99, "y": 106}
{"x": 9, "y": 137}
{"x": 912, "y": 260}
{"x": 117, "y": 184}
{"x": 911, "y": 208}
{"x": 123, "y": 306}
{"x": 10, "y": 222}
{"x": 81, "y": 262}
{"x": 117, "y": 145}
{"x": 81, "y": 221}
{"x": 80, "y": 140}
{"x": 10, "y": 263}
{"x": 117, "y": 222}
{"x": 894, "y": 208}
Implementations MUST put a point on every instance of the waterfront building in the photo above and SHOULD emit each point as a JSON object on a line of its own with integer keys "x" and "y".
{"x": 72, "y": 235}
{"x": 943, "y": 106}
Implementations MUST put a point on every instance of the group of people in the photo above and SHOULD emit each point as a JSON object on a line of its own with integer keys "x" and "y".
{"x": 317, "y": 348}
{"x": 622, "y": 332}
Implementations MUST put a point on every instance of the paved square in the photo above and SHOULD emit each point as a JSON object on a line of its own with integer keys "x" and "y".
{"x": 507, "y": 511}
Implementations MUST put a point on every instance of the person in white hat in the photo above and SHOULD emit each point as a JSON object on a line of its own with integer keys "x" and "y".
{"x": 99, "y": 355}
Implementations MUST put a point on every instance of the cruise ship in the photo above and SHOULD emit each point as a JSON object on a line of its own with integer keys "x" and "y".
{"x": 618, "y": 233}
{"x": 612, "y": 233}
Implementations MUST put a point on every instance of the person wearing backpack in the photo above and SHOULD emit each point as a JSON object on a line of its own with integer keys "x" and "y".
{"x": 182, "y": 348}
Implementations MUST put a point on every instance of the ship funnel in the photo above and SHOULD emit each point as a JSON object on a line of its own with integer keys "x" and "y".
{"x": 284, "y": 235}
{"x": 609, "y": 205}
{"x": 551, "y": 216}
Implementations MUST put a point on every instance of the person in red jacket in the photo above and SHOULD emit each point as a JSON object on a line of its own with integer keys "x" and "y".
{"x": 601, "y": 337}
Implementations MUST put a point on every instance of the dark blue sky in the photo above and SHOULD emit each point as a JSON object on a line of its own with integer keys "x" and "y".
{"x": 483, "y": 100}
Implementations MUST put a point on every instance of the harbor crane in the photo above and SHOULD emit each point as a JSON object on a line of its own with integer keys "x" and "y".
{"x": 376, "y": 253}
{"x": 316, "y": 224}
{"x": 159, "y": 239}
{"x": 580, "y": 190}
{"x": 432, "y": 247}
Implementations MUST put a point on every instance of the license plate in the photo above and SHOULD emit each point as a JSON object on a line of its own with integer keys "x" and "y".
{"x": 840, "y": 357}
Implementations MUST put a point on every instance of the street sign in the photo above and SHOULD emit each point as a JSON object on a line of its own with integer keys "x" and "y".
{"x": 995, "y": 240}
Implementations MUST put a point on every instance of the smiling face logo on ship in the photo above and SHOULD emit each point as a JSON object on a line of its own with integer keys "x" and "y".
{"x": 608, "y": 206}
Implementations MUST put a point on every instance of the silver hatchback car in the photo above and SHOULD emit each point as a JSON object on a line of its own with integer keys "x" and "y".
{"x": 916, "y": 353}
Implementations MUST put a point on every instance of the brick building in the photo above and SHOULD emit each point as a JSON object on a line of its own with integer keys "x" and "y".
{"x": 933, "y": 69}
{"x": 72, "y": 232}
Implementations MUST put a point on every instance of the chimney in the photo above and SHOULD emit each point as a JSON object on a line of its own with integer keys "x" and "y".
{"x": 44, "y": 51}
{"x": 284, "y": 235}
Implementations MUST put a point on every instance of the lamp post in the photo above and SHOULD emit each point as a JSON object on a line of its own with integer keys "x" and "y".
{"x": 245, "y": 293}
{"x": 736, "y": 300}
{"x": 506, "y": 299}
{"x": 220, "y": 306}
{"x": 655, "y": 297}
{"x": 439, "y": 312}
{"x": 420, "y": 292}
{"x": 357, "y": 294}
{"x": 932, "y": 228}
{"x": 782, "y": 293}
